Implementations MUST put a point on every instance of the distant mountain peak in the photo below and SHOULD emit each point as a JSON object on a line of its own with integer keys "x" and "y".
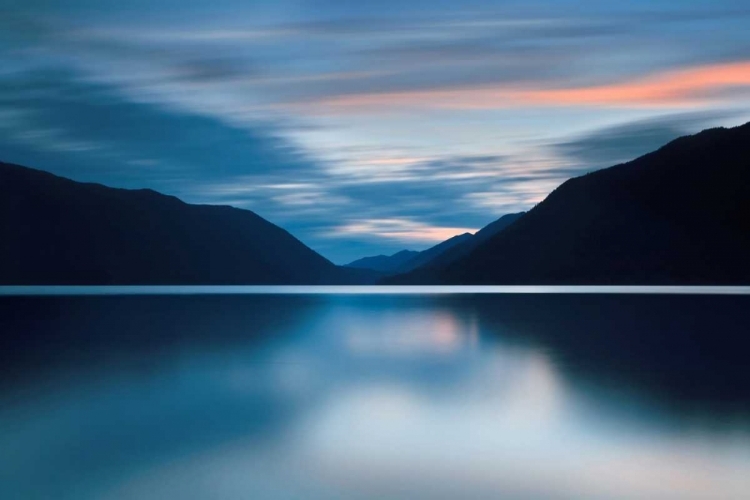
{"x": 450, "y": 249}
{"x": 383, "y": 263}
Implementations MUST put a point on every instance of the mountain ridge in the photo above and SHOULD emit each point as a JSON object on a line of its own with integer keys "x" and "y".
{"x": 672, "y": 216}
{"x": 443, "y": 252}
{"x": 59, "y": 231}
{"x": 384, "y": 263}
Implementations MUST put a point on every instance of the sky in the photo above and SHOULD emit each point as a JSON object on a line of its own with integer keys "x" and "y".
{"x": 362, "y": 127}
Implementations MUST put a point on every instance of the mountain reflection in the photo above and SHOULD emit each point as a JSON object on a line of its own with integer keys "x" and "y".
{"x": 368, "y": 397}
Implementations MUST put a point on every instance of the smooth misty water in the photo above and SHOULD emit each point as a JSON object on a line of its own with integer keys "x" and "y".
{"x": 348, "y": 396}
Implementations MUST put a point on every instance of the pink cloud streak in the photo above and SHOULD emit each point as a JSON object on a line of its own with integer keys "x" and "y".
{"x": 673, "y": 88}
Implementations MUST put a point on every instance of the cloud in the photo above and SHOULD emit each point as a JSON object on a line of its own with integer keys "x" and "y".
{"x": 608, "y": 146}
{"x": 488, "y": 59}
{"x": 91, "y": 132}
{"x": 402, "y": 230}
{"x": 689, "y": 86}
{"x": 674, "y": 88}
{"x": 393, "y": 169}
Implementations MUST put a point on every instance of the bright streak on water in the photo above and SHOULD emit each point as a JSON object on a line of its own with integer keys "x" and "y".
{"x": 365, "y": 290}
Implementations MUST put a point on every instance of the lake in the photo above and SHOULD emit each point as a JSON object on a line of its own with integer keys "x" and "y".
{"x": 225, "y": 393}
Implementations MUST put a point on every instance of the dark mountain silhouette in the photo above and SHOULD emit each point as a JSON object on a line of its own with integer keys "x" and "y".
{"x": 495, "y": 227}
{"x": 679, "y": 215}
{"x": 426, "y": 256}
{"x": 469, "y": 244}
{"x": 58, "y": 231}
{"x": 384, "y": 263}
{"x": 442, "y": 253}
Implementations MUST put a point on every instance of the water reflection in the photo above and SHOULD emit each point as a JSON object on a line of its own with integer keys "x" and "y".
{"x": 361, "y": 397}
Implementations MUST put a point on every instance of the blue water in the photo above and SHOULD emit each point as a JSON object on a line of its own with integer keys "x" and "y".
{"x": 366, "y": 290}
{"x": 156, "y": 393}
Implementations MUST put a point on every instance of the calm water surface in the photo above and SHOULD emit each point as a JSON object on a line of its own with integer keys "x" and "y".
{"x": 354, "y": 396}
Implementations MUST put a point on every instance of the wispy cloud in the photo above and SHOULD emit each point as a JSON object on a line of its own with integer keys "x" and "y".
{"x": 402, "y": 230}
{"x": 608, "y": 146}
{"x": 675, "y": 88}
{"x": 690, "y": 86}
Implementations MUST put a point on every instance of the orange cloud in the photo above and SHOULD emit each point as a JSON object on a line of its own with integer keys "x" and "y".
{"x": 666, "y": 89}
{"x": 669, "y": 88}
{"x": 399, "y": 229}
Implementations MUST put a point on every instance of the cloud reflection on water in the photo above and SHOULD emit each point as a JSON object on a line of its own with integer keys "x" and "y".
{"x": 360, "y": 398}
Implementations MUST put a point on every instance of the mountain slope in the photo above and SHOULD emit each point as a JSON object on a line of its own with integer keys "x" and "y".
{"x": 58, "y": 231}
{"x": 426, "y": 256}
{"x": 679, "y": 215}
{"x": 384, "y": 263}
{"x": 440, "y": 254}
{"x": 469, "y": 244}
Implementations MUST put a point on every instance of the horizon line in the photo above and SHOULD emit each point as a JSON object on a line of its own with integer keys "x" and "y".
{"x": 143, "y": 290}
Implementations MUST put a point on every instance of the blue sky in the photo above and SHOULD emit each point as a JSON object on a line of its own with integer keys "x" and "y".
{"x": 362, "y": 127}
